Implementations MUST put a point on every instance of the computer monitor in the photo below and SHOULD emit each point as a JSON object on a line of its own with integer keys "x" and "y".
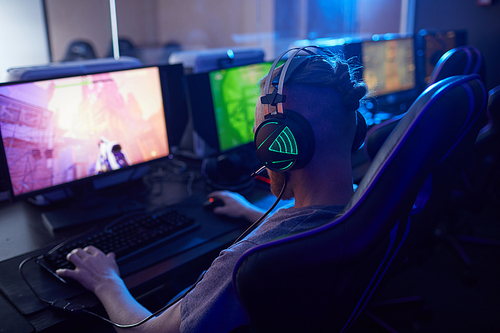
{"x": 57, "y": 132}
{"x": 389, "y": 65}
{"x": 199, "y": 61}
{"x": 431, "y": 46}
{"x": 222, "y": 105}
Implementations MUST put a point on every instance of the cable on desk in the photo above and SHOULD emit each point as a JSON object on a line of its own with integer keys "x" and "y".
{"x": 73, "y": 307}
{"x": 21, "y": 265}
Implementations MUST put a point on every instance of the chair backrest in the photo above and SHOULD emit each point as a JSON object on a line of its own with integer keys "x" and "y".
{"x": 320, "y": 280}
{"x": 482, "y": 171}
{"x": 492, "y": 128}
{"x": 463, "y": 60}
{"x": 377, "y": 134}
{"x": 79, "y": 50}
{"x": 126, "y": 48}
{"x": 494, "y": 108}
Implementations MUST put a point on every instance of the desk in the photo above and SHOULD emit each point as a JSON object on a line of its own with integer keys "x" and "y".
{"x": 23, "y": 234}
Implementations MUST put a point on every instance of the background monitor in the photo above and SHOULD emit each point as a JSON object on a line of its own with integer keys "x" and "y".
{"x": 60, "y": 131}
{"x": 222, "y": 105}
{"x": 173, "y": 87}
{"x": 389, "y": 65}
{"x": 389, "y": 70}
{"x": 431, "y": 46}
{"x": 199, "y": 61}
{"x": 70, "y": 68}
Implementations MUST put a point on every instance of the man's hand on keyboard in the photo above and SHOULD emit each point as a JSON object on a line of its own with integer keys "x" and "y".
{"x": 236, "y": 206}
{"x": 93, "y": 268}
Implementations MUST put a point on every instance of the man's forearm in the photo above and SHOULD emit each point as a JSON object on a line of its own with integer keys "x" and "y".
{"x": 122, "y": 308}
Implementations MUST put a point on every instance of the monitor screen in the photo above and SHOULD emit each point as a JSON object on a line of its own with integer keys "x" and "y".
{"x": 389, "y": 65}
{"x": 222, "y": 104}
{"x": 434, "y": 44}
{"x": 58, "y": 131}
{"x": 234, "y": 94}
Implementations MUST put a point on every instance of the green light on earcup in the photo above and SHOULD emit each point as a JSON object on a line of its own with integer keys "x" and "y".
{"x": 285, "y": 143}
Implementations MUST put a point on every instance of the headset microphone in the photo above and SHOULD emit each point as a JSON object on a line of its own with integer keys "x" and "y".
{"x": 258, "y": 172}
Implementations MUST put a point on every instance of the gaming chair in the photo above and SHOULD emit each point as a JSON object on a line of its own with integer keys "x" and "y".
{"x": 322, "y": 279}
{"x": 463, "y": 60}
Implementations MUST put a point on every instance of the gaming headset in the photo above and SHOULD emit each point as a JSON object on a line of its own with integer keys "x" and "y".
{"x": 285, "y": 141}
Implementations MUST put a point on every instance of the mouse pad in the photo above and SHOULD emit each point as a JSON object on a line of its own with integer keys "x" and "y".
{"x": 11, "y": 320}
{"x": 47, "y": 286}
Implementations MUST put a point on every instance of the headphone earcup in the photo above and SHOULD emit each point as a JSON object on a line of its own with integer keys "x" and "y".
{"x": 361, "y": 128}
{"x": 285, "y": 143}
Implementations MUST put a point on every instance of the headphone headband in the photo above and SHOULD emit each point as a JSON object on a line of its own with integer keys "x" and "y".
{"x": 276, "y": 98}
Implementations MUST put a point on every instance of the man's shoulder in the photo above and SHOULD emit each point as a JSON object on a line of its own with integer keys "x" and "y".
{"x": 295, "y": 220}
{"x": 309, "y": 211}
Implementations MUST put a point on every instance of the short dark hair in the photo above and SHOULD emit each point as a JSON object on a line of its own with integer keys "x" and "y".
{"x": 332, "y": 71}
{"x": 325, "y": 87}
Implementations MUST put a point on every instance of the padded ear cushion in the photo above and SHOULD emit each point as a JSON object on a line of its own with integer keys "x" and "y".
{"x": 361, "y": 129}
{"x": 285, "y": 142}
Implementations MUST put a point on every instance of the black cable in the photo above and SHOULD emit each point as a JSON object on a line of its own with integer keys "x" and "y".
{"x": 21, "y": 265}
{"x": 71, "y": 307}
{"x": 261, "y": 219}
{"x": 154, "y": 314}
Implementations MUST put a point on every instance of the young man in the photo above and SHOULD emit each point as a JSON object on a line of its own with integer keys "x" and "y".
{"x": 324, "y": 91}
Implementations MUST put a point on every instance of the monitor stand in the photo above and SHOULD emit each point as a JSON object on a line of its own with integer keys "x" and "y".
{"x": 91, "y": 207}
{"x": 61, "y": 218}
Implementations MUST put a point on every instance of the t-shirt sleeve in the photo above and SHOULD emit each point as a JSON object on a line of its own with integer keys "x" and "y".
{"x": 213, "y": 306}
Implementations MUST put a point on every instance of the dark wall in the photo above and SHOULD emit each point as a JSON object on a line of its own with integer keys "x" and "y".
{"x": 378, "y": 17}
{"x": 481, "y": 22}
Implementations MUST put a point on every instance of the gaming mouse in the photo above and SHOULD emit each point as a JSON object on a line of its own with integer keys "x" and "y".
{"x": 211, "y": 203}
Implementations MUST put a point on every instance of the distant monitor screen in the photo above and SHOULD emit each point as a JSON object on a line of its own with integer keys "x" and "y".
{"x": 389, "y": 65}
{"x": 234, "y": 93}
{"x": 436, "y": 45}
{"x": 223, "y": 104}
{"x": 61, "y": 130}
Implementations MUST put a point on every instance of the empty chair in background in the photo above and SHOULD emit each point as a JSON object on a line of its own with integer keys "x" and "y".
{"x": 463, "y": 60}
{"x": 79, "y": 50}
{"x": 126, "y": 48}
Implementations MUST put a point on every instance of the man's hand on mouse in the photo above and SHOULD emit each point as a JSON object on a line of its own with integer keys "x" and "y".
{"x": 236, "y": 206}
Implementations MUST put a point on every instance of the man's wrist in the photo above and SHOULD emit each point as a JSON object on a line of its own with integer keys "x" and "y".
{"x": 252, "y": 214}
{"x": 109, "y": 284}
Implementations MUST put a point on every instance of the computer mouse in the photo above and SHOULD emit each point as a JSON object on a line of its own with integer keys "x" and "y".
{"x": 212, "y": 202}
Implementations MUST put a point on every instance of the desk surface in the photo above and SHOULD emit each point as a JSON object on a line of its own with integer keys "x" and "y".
{"x": 23, "y": 234}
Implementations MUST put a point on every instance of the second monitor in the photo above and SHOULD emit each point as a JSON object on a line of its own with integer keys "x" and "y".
{"x": 222, "y": 106}
{"x": 389, "y": 71}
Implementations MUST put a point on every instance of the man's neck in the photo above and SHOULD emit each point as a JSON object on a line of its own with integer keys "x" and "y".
{"x": 315, "y": 187}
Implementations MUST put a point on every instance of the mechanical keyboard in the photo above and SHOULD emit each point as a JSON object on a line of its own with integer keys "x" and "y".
{"x": 129, "y": 237}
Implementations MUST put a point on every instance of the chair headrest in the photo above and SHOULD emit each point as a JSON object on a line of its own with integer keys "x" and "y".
{"x": 463, "y": 60}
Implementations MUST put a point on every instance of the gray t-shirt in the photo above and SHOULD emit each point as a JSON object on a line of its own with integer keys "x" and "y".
{"x": 213, "y": 306}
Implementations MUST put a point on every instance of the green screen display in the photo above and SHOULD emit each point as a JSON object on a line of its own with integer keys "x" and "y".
{"x": 234, "y": 93}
